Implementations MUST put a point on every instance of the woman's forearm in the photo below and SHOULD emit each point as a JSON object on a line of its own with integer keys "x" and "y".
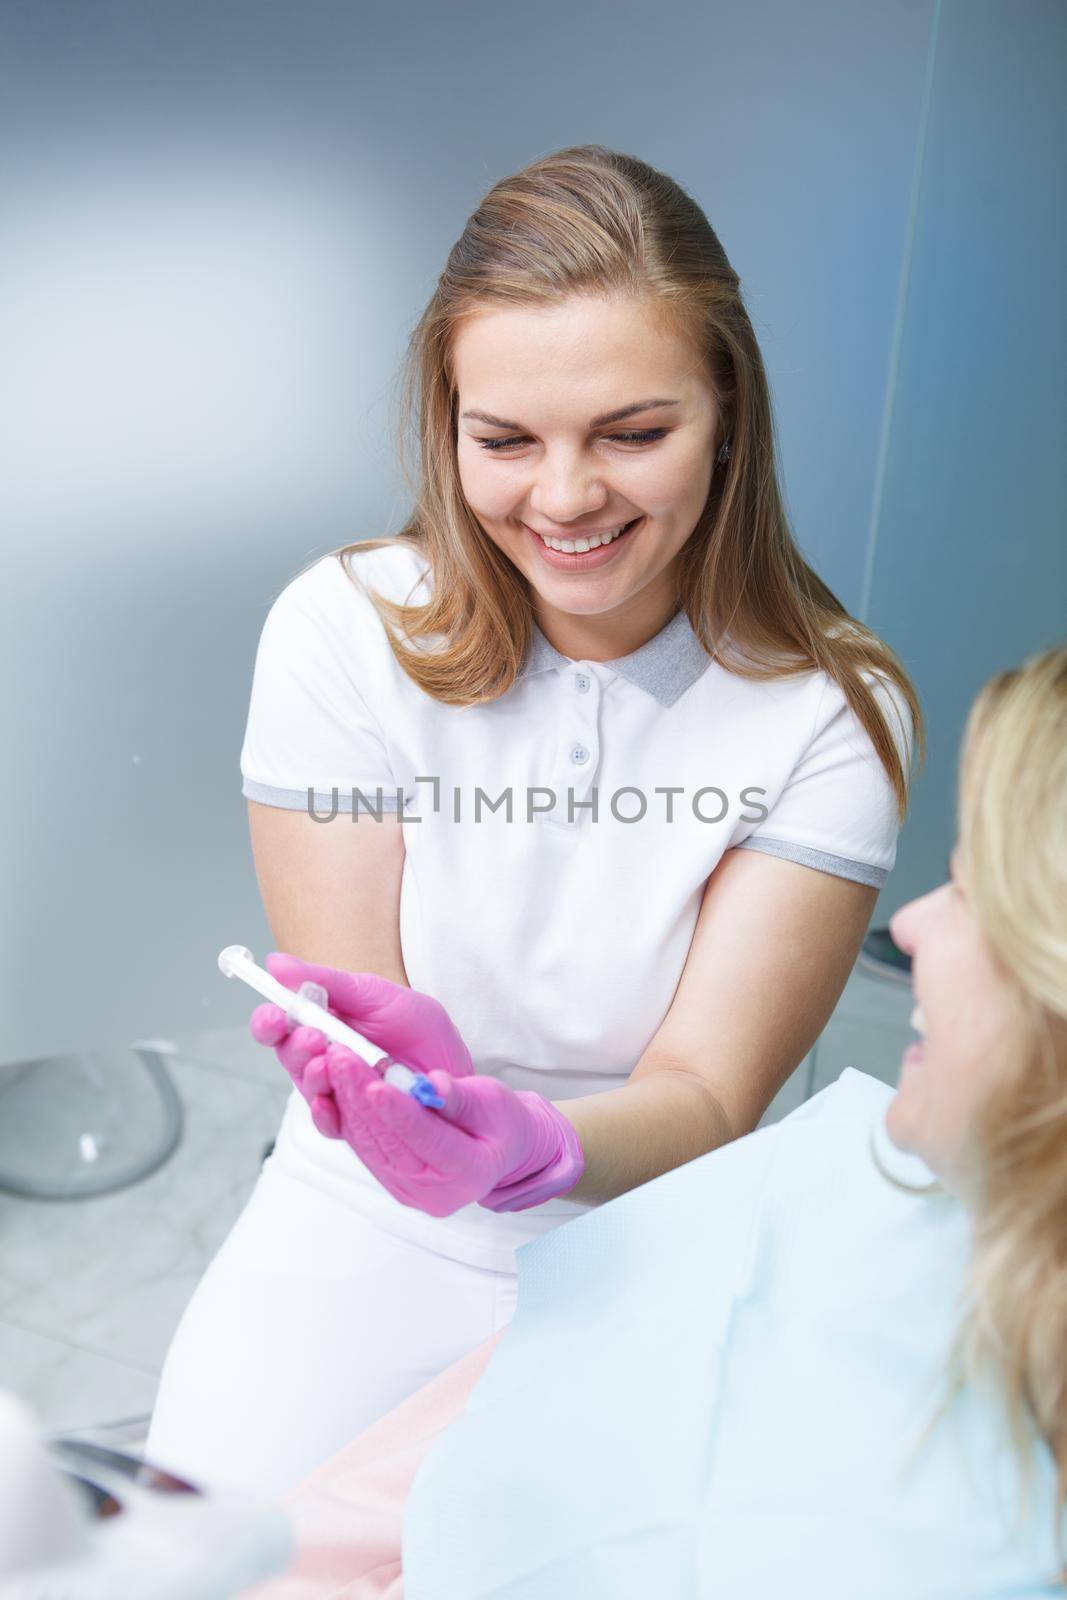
{"x": 631, "y": 1134}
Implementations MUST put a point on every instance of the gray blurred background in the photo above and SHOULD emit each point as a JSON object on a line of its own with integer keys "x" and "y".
{"x": 219, "y": 224}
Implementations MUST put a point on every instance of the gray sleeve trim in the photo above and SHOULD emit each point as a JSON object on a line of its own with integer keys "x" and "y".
{"x": 325, "y": 802}
{"x": 839, "y": 866}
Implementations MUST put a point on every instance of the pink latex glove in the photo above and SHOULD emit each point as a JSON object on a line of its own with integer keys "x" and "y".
{"x": 413, "y": 1027}
{"x": 505, "y": 1148}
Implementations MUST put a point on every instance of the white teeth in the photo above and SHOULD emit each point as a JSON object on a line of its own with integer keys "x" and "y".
{"x": 572, "y": 547}
{"x": 918, "y": 1022}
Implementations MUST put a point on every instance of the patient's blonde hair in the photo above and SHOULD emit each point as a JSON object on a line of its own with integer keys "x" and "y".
{"x": 588, "y": 220}
{"x": 1012, "y": 844}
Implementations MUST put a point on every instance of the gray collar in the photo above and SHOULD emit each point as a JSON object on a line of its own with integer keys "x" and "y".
{"x": 665, "y": 667}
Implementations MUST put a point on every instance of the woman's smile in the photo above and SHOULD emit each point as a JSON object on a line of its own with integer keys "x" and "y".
{"x": 581, "y": 560}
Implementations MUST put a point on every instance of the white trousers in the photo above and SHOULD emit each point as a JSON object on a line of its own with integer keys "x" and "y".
{"x": 310, "y": 1323}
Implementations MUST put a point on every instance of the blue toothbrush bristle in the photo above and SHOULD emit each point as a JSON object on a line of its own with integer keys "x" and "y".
{"x": 425, "y": 1093}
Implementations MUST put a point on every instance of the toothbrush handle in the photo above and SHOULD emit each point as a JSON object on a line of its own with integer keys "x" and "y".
{"x": 300, "y": 1008}
{"x": 311, "y": 1015}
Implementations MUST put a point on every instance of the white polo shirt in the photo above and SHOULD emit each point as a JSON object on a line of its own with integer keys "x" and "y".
{"x": 554, "y": 937}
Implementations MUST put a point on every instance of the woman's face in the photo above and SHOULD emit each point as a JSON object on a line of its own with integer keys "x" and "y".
{"x": 543, "y": 458}
{"x": 966, "y": 1018}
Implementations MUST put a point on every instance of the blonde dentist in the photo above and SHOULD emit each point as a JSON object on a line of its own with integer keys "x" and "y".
{"x": 708, "y": 761}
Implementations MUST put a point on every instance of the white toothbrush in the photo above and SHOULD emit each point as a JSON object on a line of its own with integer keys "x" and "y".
{"x": 308, "y": 1006}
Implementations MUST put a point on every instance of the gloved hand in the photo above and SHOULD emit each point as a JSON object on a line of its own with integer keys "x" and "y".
{"x": 505, "y": 1148}
{"x": 413, "y": 1027}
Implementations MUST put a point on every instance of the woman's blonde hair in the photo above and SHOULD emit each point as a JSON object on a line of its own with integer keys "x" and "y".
{"x": 1012, "y": 831}
{"x": 590, "y": 221}
{"x": 1012, "y": 856}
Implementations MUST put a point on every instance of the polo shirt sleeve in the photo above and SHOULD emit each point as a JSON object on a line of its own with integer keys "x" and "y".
{"x": 837, "y": 811}
{"x": 311, "y": 723}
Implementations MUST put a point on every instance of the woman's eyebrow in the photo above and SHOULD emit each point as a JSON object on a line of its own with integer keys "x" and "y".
{"x": 597, "y": 422}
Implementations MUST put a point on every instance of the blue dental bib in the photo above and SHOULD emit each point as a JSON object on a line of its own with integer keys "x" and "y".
{"x": 715, "y": 1386}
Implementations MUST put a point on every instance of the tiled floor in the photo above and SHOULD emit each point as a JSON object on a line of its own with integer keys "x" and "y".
{"x": 91, "y": 1291}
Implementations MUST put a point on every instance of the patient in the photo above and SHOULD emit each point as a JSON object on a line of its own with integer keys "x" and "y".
{"x": 846, "y": 1372}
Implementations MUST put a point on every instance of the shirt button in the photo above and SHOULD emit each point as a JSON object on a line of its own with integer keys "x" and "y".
{"x": 579, "y": 754}
{"x": 581, "y": 683}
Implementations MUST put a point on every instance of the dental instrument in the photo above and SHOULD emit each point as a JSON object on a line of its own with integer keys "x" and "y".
{"x": 81, "y": 1521}
{"x": 308, "y": 1006}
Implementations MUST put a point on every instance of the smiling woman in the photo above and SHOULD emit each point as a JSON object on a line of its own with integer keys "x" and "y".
{"x": 586, "y": 375}
{"x": 569, "y": 484}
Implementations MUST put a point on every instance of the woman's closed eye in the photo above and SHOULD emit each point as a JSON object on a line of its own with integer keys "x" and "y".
{"x": 638, "y": 437}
